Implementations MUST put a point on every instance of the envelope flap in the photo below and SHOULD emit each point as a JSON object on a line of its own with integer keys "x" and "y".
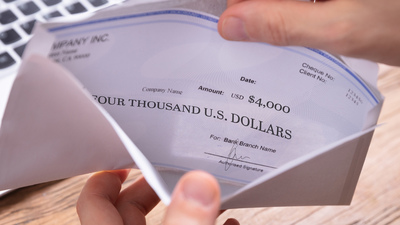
{"x": 328, "y": 178}
{"x": 48, "y": 122}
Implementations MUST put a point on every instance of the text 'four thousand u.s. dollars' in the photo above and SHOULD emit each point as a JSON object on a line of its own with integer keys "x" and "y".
{"x": 259, "y": 125}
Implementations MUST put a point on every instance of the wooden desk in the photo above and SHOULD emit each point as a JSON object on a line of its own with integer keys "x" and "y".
{"x": 376, "y": 200}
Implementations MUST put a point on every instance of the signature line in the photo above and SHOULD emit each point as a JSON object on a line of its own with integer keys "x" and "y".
{"x": 208, "y": 153}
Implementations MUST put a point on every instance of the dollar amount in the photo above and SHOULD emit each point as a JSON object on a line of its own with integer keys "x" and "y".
{"x": 269, "y": 104}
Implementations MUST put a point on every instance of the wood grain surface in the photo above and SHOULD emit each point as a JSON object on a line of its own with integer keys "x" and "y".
{"x": 376, "y": 200}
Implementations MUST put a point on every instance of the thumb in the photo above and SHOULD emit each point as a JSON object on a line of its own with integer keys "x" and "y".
{"x": 280, "y": 22}
{"x": 196, "y": 200}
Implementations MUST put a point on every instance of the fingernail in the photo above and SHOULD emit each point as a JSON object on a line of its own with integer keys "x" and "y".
{"x": 233, "y": 29}
{"x": 197, "y": 191}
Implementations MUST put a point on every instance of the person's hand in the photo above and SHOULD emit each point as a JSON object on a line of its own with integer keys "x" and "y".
{"x": 358, "y": 28}
{"x": 195, "y": 200}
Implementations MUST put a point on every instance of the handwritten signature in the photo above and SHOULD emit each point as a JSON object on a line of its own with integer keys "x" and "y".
{"x": 232, "y": 156}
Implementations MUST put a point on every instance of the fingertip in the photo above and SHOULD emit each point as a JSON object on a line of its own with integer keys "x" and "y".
{"x": 262, "y": 21}
{"x": 123, "y": 174}
{"x": 273, "y": 22}
{"x": 196, "y": 200}
{"x": 233, "y": 28}
{"x": 200, "y": 187}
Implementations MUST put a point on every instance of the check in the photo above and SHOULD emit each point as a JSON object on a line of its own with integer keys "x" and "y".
{"x": 191, "y": 100}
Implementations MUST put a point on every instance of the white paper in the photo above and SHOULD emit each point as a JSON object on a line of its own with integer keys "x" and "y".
{"x": 51, "y": 129}
{"x": 251, "y": 114}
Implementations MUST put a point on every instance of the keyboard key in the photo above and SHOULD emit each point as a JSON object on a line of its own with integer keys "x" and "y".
{"x": 28, "y": 8}
{"x": 76, "y": 8}
{"x": 28, "y": 27}
{"x": 19, "y": 50}
{"x": 7, "y": 17}
{"x": 52, "y": 15}
{"x": 97, "y": 3}
{"x": 9, "y": 36}
{"x": 51, "y": 2}
{"x": 6, "y": 60}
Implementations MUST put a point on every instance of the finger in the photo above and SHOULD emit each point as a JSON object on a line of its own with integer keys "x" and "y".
{"x": 136, "y": 201}
{"x": 195, "y": 201}
{"x": 339, "y": 27}
{"x": 96, "y": 201}
{"x": 285, "y": 22}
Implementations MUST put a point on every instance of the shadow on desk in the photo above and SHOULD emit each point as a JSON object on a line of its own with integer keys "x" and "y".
{"x": 16, "y": 196}
{"x": 29, "y": 204}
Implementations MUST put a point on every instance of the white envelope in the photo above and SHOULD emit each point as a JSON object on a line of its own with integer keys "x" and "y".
{"x": 54, "y": 127}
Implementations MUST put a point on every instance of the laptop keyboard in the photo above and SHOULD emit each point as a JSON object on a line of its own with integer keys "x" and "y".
{"x": 18, "y": 17}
